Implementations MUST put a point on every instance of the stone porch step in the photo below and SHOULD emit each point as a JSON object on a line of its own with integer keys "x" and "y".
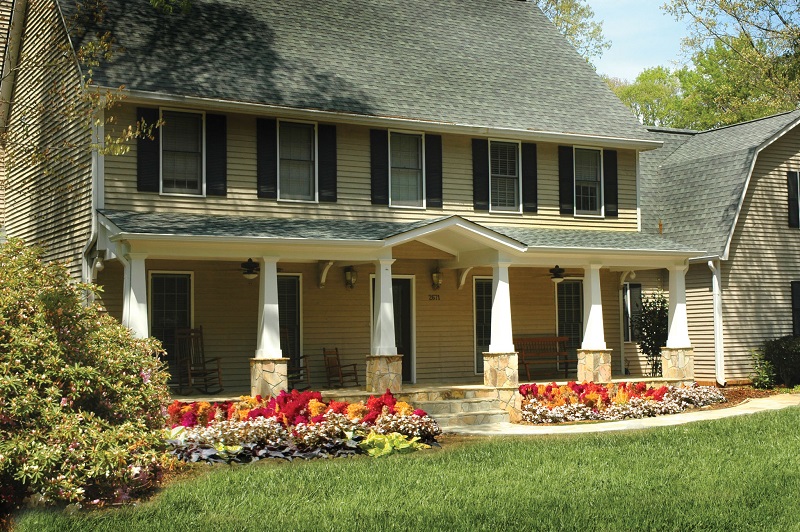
{"x": 456, "y": 406}
{"x": 462, "y": 419}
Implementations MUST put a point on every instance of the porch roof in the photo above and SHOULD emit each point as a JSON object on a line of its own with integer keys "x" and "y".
{"x": 161, "y": 225}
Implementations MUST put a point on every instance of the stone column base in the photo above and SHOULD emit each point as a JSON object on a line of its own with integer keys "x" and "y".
{"x": 594, "y": 365}
{"x": 268, "y": 376}
{"x": 384, "y": 372}
{"x": 500, "y": 370}
{"x": 677, "y": 363}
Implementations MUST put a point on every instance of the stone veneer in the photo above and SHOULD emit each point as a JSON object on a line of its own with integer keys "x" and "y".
{"x": 594, "y": 365}
{"x": 500, "y": 370}
{"x": 677, "y": 363}
{"x": 384, "y": 372}
{"x": 268, "y": 376}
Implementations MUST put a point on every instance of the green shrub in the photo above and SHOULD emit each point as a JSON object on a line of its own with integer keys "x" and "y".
{"x": 784, "y": 355}
{"x": 80, "y": 399}
{"x": 763, "y": 375}
{"x": 653, "y": 323}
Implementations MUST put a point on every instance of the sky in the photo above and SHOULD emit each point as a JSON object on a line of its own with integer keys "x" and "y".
{"x": 641, "y": 35}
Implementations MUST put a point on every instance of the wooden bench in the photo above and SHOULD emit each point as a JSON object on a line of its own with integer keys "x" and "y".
{"x": 544, "y": 353}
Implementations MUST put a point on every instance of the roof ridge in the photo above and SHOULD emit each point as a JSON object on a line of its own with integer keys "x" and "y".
{"x": 769, "y": 117}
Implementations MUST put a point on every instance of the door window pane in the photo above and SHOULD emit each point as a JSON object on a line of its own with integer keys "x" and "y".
{"x": 483, "y": 320}
{"x": 289, "y": 316}
{"x": 570, "y": 312}
{"x": 170, "y": 308}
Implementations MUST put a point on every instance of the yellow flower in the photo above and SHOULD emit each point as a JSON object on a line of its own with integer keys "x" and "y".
{"x": 357, "y": 410}
{"x": 316, "y": 408}
{"x": 404, "y": 409}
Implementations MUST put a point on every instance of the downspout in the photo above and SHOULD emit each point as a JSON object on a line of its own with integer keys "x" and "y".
{"x": 719, "y": 345}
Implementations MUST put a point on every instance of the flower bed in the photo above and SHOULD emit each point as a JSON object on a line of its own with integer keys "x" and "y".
{"x": 296, "y": 425}
{"x": 550, "y": 403}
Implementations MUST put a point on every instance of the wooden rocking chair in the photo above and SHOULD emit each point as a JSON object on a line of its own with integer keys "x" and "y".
{"x": 299, "y": 374}
{"x": 203, "y": 373}
{"x": 337, "y": 373}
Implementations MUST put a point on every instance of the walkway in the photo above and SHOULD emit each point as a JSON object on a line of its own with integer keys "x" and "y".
{"x": 749, "y": 406}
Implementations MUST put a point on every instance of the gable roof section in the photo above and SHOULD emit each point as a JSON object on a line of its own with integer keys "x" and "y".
{"x": 479, "y": 63}
{"x": 696, "y": 183}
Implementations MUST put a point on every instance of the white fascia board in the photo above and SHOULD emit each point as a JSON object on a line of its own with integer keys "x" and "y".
{"x": 162, "y": 237}
{"x": 746, "y": 187}
{"x": 154, "y": 98}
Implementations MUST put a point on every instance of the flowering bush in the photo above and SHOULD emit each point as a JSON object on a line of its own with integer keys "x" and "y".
{"x": 81, "y": 400}
{"x": 550, "y": 403}
{"x": 293, "y": 424}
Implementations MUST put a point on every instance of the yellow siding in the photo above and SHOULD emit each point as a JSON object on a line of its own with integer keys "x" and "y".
{"x": 700, "y": 311}
{"x": 763, "y": 260}
{"x": 354, "y": 184}
{"x": 49, "y": 203}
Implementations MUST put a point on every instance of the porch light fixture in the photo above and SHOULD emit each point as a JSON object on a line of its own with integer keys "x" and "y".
{"x": 436, "y": 279}
{"x": 556, "y": 274}
{"x": 350, "y": 277}
{"x": 250, "y": 269}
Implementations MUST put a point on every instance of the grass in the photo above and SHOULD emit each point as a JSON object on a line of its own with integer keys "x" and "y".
{"x": 741, "y": 472}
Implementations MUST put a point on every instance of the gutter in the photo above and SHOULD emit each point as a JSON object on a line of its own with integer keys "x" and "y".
{"x": 719, "y": 345}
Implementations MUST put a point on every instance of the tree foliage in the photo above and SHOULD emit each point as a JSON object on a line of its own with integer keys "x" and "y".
{"x": 575, "y": 20}
{"x": 653, "y": 325}
{"x": 654, "y": 97}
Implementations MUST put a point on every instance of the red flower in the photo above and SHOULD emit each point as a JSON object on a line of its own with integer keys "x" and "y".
{"x": 338, "y": 407}
{"x": 189, "y": 419}
{"x": 318, "y": 419}
{"x": 370, "y": 418}
{"x": 420, "y": 412}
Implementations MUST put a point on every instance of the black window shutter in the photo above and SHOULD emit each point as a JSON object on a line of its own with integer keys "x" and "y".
{"x": 480, "y": 174}
{"x": 326, "y": 135}
{"x": 796, "y": 308}
{"x": 566, "y": 180}
{"x": 433, "y": 170}
{"x": 267, "y": 157}
{"x": 216, "y": 155}
{"x": 148, "y": 154}
{"x": 610, "y": 185}
{"x": 794, "y": 207}
{"x": 530, "y": 193}
{"x": 379, "y": 164}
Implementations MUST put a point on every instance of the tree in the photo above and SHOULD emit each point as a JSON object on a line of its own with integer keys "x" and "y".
{"x": 654, "y": 96}
{"x": 575, "y": 20}
{"x": 746, "y": 55}
{"x": 653, "y": 325}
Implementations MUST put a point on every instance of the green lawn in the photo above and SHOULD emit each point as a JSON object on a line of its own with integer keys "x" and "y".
{"x": 737, "y": 473}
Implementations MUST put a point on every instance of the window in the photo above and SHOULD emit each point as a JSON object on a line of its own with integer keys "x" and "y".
{"x": 631, "y": 310}
{"x": 504, "y": 182}
{"x": 182, "y": 158}
{"x": 569, "y": 298}
{"x": 793, "y": 182}
{"x": 297, "y": 162}
{"x": 170, "y": 307}
{"x": 407, "y": 187}
{"x": 483, "y": 320}
{"x": 588, "y": 177}
{"x": 796, "y": 308}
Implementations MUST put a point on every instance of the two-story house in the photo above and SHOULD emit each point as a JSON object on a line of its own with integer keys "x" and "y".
{"x": 401, "y": 180}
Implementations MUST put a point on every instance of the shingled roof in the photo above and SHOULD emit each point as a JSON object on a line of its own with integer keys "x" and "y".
{"x": 694, "y": 184}
{"x": 482, "y": 63}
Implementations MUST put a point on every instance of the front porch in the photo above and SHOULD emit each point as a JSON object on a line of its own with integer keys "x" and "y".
{"x": 420, "y": 305}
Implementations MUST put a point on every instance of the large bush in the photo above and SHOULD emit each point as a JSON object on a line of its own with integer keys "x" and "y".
{"x": 784, "y": 355}
{"x": 80, "y": 399}
{"x": 653, "y": 323}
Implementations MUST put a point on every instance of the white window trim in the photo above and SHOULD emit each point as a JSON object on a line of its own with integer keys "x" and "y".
{"x": 602, "y": 199}
{"x": 424, "y": 184}
{"x": 202, "y": 193}
{"x": 519, "y": 177}
{"x": 150, "y": 274}
{"x": 475, "y": 278}
{"x": 316, "y": 161}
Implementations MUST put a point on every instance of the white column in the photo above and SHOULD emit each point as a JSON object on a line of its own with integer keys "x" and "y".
{"x": 502, "y": 340}
{"x": 383, "y": 340}
{"x": 134, "y": 313}
{"x": 678, "y": 336}
{"x": 594, "y": 338}
{"x": 719, "y": 343}
{"x": 269, "y": 330}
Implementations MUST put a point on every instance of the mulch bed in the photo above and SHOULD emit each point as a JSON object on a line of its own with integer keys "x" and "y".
{"x": 737, "y": 394}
